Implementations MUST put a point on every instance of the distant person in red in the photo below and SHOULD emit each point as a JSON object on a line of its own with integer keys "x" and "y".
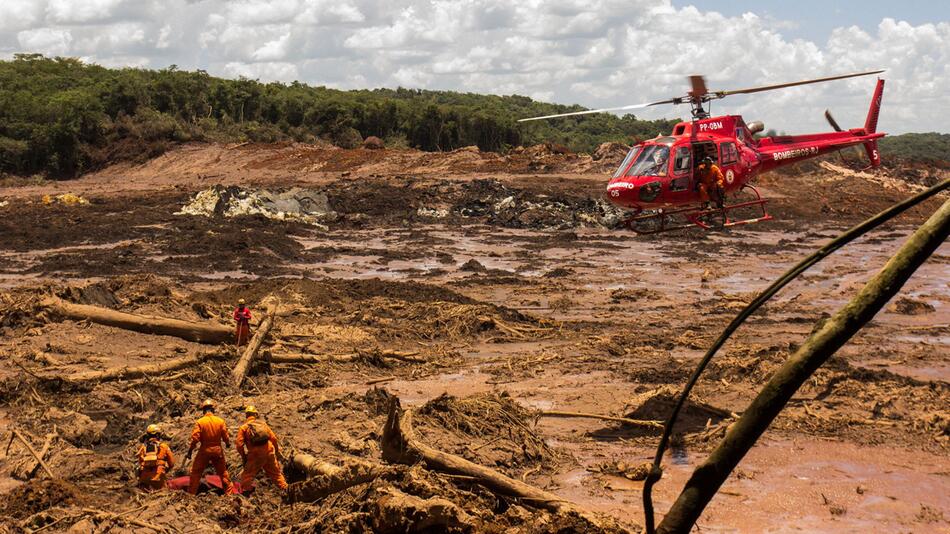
{"x": 242, "y": 316}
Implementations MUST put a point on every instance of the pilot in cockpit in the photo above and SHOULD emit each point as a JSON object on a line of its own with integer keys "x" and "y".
{"x": 661, "y": 156}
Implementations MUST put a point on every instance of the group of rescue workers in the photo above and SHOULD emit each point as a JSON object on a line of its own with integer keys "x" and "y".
{"x": 256, "y": 443}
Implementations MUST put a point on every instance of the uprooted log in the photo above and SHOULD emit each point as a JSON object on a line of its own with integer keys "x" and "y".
{"x": 127, "y": 373}
{"x": 404, "y": 356}
{"x": 244, "y": 364}
{"x": 401, "y": 445}
{"x": 632, "y": 422}
{"x": 325, "y": 479}
{"x": 211, "y": 333}
{"x": 799, "y": 367}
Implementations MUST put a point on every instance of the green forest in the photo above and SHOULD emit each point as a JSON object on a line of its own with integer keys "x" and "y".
{"x": 60, "y": 117}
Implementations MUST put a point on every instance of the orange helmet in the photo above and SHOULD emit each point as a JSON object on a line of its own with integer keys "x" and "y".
{"x": 208, "y": 403}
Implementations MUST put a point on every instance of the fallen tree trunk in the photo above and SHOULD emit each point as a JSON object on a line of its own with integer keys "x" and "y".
{"x": 325, "y": 479}
{"x": 127, "y": 373}
{"x": 244, "y": 364}
{"x": 401, "y": 445}
{"x": 798, "y": 368}
{"x": 405, "y": 356}
{"x": 211, "y": 333}
{"x": 633, "y": 422}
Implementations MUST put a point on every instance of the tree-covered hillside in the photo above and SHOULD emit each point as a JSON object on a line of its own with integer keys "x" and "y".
{"x": 63, "y": 117}
{"x": 923, "y": 147}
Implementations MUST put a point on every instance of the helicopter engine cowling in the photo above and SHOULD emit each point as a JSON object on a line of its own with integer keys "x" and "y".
{"x": 756, "y": 127}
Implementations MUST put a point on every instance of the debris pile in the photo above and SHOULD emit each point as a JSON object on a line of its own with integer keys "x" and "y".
{"x": 521, "y": 209}
{"x": 440, "y": 319}
{"x": 296, "y": 204}
{"x": 498, "y": 425}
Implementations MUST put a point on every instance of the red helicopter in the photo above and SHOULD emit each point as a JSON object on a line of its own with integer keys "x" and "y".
{"x": 658, "y": 178}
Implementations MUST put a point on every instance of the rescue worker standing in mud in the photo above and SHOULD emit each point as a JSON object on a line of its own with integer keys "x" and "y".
{"x": 209, "y": 432}
{"x": 710, "y": 182}
{"x": 242, "y": 316}
{"x": 258, "y": 446}
{"x": 155, "y": 459}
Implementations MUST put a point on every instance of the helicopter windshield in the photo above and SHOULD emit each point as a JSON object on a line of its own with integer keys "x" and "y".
{"x": 652, "y": 161}
{"x": 626, "y": 161}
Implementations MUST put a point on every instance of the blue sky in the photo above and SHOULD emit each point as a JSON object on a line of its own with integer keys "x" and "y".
{"x": 815, "y": 19}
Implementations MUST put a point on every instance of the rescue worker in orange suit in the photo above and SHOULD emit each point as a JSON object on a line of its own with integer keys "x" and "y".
{"x": 242, "y": 316}
{"x": 259, "y": 449}
{"x": 209, "y": 433}
{"x": 710, "y": 182}
{"x": 155, "y": 459}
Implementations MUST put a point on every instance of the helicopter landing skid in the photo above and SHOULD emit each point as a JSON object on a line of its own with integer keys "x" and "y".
{"x": 705, "y": 218}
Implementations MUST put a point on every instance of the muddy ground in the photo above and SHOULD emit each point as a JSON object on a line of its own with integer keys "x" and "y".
{"x": 508, "y": 278}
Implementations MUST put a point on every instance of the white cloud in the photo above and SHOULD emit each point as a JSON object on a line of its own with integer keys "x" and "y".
{"x": 268, "y": 71}
{"x": 49, "y": 41}
{"x": 79, "y": 11}
{"x": 597, "y": 53}
{"x": 19, "y": 14}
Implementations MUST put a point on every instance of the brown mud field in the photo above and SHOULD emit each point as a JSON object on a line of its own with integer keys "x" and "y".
{"x": 480, "y": 291}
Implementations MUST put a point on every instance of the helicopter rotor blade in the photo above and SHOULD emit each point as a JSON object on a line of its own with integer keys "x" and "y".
{"x": 720, "y": 94}
{"x": 589, "y": 111}
{"x": 831, "y": 120}
{"x": 699, "y": 86}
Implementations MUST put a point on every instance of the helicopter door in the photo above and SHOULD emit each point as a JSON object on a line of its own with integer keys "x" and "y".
{"x": 729, "y": 163}
{"x": 682, "y": 173}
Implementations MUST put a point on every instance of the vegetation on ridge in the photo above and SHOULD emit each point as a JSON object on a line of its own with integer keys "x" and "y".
{"x": 62, "y": 117}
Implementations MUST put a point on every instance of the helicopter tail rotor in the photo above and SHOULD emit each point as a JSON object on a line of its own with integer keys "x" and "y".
{"x": 834, "y": 126}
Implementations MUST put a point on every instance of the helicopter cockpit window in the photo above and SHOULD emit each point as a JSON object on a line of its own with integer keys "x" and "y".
{"x": 626, "y": 161}
{"x": 681, "y": 164}
{"x": 729, "y": 154}
{"x": 653, "y": 160}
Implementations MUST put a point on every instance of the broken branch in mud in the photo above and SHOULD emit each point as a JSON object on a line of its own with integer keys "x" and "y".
{"x": 211, "y": 333}
{"x": 404, "y": 356}
{"x": 401, "y": 445}
{"x": 326, "y": 479}
{"x": 119, "y": 517}
{"x": 243, "y": 365}
{"x": 43, "y": 452}
{"x": 127, "y": 373}
{"x": 32, "y": 451}
{"x": 813, "y": 353}
{"x": 633, "y": 422}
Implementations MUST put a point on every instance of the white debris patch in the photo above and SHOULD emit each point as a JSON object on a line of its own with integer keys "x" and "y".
{"x": 434, "y": 213}
{"x": 297, "y": 204}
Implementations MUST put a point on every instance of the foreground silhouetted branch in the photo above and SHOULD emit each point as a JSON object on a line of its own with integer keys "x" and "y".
{"x": 707, "y": 479}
